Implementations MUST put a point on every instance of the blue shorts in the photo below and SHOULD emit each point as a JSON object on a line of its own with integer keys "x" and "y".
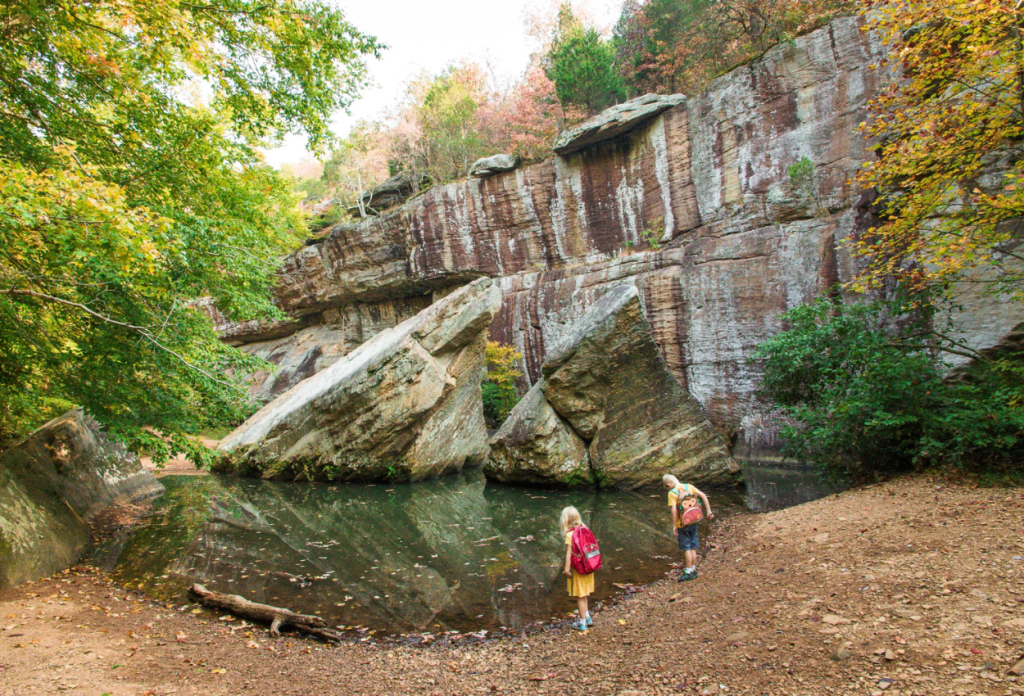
{"x": 688, "y": 540}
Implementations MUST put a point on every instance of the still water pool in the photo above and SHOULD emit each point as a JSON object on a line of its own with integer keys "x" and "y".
{"x": 452, "y": 554}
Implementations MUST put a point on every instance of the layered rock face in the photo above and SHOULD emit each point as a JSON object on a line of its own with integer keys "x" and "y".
{"x": 51, "y": 484}
{"x": 405, "y": 405}
{"x": 607, "y": 410}
{"x": 694, "y": 207}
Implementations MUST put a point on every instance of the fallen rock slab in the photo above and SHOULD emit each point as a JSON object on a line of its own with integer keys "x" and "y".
{"x": 405, "y": 405}
{"x": 614, "y": 121}
{"x": 535, "y": 445}
{"x": 607, "y": 386}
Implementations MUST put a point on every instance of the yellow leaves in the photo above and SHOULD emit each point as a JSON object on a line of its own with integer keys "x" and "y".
{"x": 944, "y": 123}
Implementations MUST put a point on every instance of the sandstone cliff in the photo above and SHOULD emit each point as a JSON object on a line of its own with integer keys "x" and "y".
{"x": 695, "y": 207}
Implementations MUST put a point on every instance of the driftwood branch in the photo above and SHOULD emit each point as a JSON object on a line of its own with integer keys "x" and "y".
{"x": 275, "y": 616}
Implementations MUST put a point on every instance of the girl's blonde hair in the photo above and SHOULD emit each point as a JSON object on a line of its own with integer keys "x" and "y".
{"x": 670, "y": 481}
{"x": 569, "y": 519}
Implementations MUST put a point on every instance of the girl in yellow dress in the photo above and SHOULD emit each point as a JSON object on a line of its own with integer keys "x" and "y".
{"x": 580, "y": 586}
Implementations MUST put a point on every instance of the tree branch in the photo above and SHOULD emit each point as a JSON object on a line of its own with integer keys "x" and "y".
{"x": 141, "y": 330}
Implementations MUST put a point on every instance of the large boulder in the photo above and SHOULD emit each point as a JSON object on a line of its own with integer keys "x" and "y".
{"x": 614, "y": 121}
{"x": 607, "y": 386}
{"x": 405, "y": 405}
{"x": 391, "y": 192}
{"x": 536, "y": 445}
{"x": 495, "y": 164}
{"x": 51, "y": 484}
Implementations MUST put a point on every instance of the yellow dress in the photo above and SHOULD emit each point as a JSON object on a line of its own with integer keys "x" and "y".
{"x": 579, "y": 585}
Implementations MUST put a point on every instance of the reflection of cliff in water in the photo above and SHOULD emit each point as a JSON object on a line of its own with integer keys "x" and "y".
{"x": 773, "y": 484}
{"x": 448, "y": 554}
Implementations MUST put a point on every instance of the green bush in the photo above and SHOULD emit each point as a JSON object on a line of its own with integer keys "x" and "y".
{"x": 500, "y": 394}
{"x": 862, "y": 390}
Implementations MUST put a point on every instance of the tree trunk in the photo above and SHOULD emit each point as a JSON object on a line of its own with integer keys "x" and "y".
{"x": 275, "y": 616}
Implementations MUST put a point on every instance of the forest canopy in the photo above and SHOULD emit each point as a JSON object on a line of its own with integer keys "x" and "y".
{"x": 130, "y": 185}
{"x": 447, "y": 120}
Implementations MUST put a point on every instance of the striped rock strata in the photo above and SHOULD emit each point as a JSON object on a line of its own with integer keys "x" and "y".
{"x": 694, "y": 207}
{"x": 608, "y": 411}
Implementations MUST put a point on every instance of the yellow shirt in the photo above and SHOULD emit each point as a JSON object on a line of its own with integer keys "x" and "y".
{"x": 673, "y": 499}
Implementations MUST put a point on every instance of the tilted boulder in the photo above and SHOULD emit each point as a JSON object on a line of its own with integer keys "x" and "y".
{"x": 536, "y": 445}
{"x": 51, "y": 484}
{"x": 495, "y": 164}
{"x": 405, "y": 405}
{"x": 614, "y": 121}
{"x": 607, "y": 386}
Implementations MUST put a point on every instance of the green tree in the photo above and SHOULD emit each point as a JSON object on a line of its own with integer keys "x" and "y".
{"x": 582, "y": 66}
{"x": 130, "y": 185}
{"x": 499, "y": 386}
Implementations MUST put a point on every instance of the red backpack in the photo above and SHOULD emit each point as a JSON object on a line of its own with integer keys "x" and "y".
{"x": 586, "y": 556}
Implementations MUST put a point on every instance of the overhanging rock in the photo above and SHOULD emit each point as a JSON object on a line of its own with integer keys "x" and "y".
{"x": 405, "y": 405}
{"x": 606, "y": 387}
{"x": 614, "y": 121}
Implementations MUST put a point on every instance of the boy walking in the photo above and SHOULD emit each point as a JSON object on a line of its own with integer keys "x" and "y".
{"x": 680, "y": 497}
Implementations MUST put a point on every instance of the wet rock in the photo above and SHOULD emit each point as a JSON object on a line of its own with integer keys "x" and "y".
{"x": 405, "y": 405}
{"x": 607, "y": 384}
{"x": 495, "y": 164}
{"x": 51, "y": 484}
{"x": 536, "y": 445}
{"x": 614, "y": 121}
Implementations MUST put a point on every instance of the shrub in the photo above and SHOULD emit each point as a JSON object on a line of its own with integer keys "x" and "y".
{"x": 862, "y": 388}
{"x": 499, "y": 386}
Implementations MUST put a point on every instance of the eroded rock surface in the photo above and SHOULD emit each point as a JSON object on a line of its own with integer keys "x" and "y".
{"x": 607, "y": 386}
{"x": 404, "y": 405}
{"x": 536, "y": 445}
{"x": 51, "y": 484}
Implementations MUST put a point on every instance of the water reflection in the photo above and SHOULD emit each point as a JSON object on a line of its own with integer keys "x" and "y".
{"x": 773, "y": 485}
{"x": 450, "y": 554}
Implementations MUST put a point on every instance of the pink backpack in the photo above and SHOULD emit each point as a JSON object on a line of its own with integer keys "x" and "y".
{"x": 586, "y": 556}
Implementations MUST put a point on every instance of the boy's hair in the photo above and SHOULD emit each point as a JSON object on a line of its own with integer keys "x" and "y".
{"x": 670, "y": 481}
{"x": 569, "y": 519}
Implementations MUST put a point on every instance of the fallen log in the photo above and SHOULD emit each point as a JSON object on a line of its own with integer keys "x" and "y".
{"x": 275, "y": 616}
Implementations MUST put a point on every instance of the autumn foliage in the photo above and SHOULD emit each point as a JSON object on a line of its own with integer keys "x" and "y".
{"x": 949, "y": 171}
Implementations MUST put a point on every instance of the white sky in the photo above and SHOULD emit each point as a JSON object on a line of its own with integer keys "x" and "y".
{"x": 424, "y": 35}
